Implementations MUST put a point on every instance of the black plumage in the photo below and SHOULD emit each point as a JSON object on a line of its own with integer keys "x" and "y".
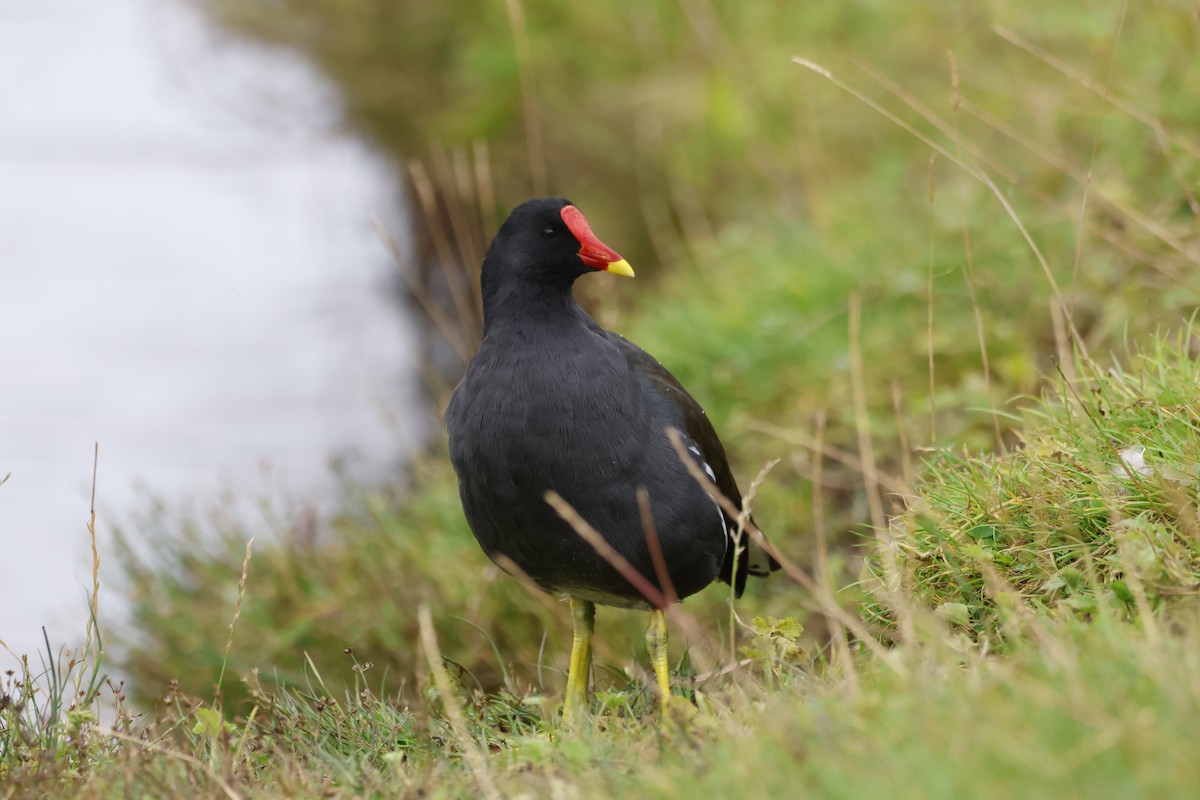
{"x": 552, "y": 401}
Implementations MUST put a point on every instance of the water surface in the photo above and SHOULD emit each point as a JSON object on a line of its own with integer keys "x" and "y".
{"x": 188, "y": 275}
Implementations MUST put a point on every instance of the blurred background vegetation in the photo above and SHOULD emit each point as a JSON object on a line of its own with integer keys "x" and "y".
{"x": 759, "y": 200}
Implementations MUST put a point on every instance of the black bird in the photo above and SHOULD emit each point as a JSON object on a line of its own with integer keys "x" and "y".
{"x": 553, "y": 402}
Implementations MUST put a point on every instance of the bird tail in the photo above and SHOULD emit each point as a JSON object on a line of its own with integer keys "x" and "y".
{"x": 752, "y": 559}
{"x": 759, "y": 562}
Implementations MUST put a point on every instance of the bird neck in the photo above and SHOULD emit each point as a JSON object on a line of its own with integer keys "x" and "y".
{"x": 521, "y": 304}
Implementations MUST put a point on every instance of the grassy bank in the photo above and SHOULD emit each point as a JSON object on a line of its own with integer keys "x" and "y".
{"x": 1031, "y": 627}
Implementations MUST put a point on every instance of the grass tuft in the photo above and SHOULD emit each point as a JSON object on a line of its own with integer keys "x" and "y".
{"x": 1095, "y": 514}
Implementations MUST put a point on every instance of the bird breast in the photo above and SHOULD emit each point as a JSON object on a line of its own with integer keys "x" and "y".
{"x": 532, "y": 412}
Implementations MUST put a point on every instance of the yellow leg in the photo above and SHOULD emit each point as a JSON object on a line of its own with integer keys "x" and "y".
{"x": 583, "y": 615}
{"x": 656, "y": 643}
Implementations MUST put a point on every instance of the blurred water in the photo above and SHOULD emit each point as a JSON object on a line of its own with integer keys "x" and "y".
{"x": 188, "y": 275}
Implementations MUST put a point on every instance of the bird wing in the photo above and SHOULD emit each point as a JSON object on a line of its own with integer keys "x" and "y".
{"x": 699, "y": 429}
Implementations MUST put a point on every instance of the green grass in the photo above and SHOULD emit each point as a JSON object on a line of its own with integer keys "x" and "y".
{"x": 1057, "y": 651}
{"x": 1021, "y": 619}
{"x": 1095, "y": 513}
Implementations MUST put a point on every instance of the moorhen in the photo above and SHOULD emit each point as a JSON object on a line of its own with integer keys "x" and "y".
{"x": 552, "y": 402}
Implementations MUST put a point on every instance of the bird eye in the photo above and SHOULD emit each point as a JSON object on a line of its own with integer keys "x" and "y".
{"x": 548, "y": 233}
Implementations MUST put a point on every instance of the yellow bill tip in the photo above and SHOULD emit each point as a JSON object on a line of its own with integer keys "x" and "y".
{"x": 620, "y": 268}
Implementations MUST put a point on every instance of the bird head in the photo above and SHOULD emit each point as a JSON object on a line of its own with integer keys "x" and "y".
{"x": 548, "y": 240}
